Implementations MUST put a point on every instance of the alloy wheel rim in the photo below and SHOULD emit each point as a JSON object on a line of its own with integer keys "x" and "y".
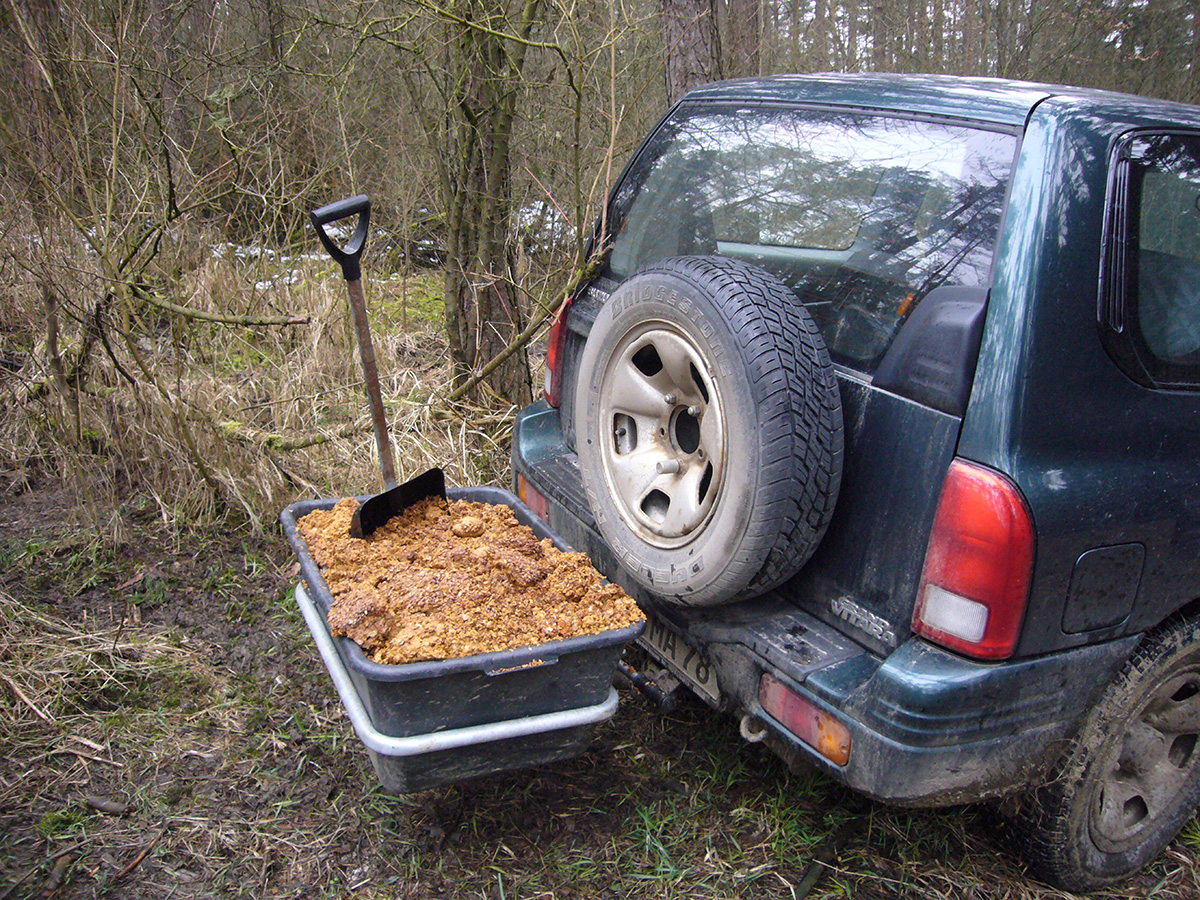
{"x": 662, "y": 434}
{"x": 1148, "y": 766}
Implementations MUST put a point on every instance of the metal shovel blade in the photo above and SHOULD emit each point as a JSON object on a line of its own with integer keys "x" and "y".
{"x": 378, "y": 509}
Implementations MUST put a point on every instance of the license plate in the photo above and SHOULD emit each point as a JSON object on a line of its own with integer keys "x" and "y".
{"x": 685, "y": 661}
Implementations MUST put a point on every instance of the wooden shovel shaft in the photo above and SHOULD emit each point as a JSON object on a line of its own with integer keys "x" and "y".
{"x": 366, "y": 350}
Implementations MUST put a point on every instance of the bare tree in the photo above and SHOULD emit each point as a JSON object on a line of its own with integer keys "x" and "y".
{"x": 691, "y": 45}
{"x": 743, "y": 38}
{"x": 470, "y": 129}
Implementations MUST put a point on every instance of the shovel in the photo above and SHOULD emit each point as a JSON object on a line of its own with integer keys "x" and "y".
{"x": 376, "y": 510}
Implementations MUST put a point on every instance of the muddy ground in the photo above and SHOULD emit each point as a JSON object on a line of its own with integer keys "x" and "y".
{"x": 167, "y": 730}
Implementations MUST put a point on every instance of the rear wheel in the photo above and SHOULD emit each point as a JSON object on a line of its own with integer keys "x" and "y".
{"x": 709, "y": 429}
{"x": 1131, "y": 779}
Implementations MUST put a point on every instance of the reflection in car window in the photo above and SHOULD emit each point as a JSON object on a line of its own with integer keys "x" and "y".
{"x": 1166, "y": 183}
{"x": 861, "y": 215}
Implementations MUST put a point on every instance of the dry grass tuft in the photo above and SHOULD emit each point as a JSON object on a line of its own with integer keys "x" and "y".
{"x": 133, "y": 766}
{"x": 226, "y": 412}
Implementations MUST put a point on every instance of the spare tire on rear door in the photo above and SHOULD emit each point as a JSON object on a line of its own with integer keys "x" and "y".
{"x": 709, "y": 429}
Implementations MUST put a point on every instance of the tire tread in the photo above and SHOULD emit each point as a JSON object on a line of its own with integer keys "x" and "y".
{"x": 794, "y": 386}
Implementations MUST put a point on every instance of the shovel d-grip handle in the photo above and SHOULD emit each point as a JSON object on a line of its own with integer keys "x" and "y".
{"x": 347, "y": 257}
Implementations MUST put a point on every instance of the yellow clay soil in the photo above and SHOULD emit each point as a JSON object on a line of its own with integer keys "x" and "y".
{"x": 444, "y": 580}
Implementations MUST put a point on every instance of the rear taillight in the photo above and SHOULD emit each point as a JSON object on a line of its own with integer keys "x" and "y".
{"x": 977, "y": 569}
{"x": 554, "y": 355}
{"x": 533, "y": 498}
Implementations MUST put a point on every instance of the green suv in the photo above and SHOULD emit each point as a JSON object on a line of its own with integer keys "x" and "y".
{"x": 884, "y": 405}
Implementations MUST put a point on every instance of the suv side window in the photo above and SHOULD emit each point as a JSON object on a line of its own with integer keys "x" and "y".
{"x": 1151, "y": 311}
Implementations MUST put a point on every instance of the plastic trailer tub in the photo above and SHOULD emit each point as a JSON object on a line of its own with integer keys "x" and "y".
{"x": 432, "y": 723}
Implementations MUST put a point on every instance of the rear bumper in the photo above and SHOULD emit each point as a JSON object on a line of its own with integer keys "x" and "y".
{"x": 927, "y": 727}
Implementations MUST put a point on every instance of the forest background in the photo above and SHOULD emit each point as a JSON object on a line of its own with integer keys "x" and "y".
{"x": 167, "y": 330}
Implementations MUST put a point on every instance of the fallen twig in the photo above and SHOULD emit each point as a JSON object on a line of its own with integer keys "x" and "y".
{"x": 21, "y": 696}
{"x": 137, "y": 861}
{"x": 67, "y": 751}
{"x": 80, "y": 740}
{"x": 279, "y": 442}
{"x": 248, "y": 321}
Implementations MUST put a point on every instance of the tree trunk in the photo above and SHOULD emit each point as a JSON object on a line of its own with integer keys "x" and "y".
{"x": 483, "y": 308}
{"x": 819, "y": 51}
{"x": 852, "y": 61}
{"x": 743, "y": 27}
{"x": 1192, "y": 92}
{"x": 692, "y": 48}
{"x": 881, "y": 60}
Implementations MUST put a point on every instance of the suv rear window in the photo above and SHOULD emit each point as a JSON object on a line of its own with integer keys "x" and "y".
{"x": 861, "y": 215}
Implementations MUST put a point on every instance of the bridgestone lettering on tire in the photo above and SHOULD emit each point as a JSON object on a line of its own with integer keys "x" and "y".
{"x": 709, "y": 430}
{"x": 1131, "y": 779}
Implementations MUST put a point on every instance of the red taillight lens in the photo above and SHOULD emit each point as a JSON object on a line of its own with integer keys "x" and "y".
{"x": 811, "y": 724}
{"x": 977, "y": 569}
{"x": 554, "y": 350}
{"x": 533, "y": 498}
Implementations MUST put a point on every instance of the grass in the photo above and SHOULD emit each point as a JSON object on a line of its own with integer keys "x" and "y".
{"x": 410, "y": 302}
{"x": 1190, "y": 836}
{"x": 200, "y": 423}
{"x": 241, "y": 779}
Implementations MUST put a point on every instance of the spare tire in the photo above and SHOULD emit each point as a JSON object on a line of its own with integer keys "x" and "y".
{"x": 709, "y": 430}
